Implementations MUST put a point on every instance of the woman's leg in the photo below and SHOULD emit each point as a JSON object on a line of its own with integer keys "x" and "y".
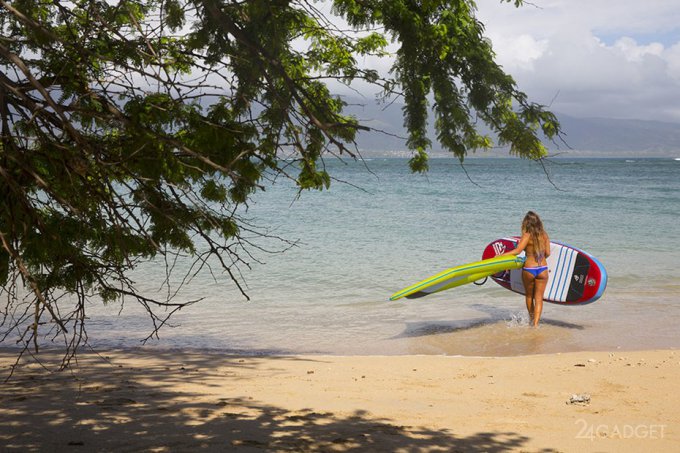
{"x": 540, "y": 283}
{"x": 528, "y": 281}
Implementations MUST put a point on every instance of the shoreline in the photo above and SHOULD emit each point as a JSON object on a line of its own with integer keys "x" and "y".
{"x": 51, "y": 353}
{"x": 150, "y": 400}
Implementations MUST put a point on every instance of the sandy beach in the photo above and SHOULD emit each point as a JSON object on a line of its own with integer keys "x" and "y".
{"x": 170, "y": 401}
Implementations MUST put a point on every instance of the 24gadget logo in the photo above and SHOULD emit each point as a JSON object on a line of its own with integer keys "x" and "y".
{"x": 618, "y": 431}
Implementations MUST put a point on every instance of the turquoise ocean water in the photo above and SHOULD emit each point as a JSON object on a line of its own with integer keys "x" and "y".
{"x": 383, "y": 228}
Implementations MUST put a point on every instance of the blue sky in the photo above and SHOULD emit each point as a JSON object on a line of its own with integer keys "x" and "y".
{"x": 592, "y": 58}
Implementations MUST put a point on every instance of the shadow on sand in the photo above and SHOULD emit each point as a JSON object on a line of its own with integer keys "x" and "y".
{"x": 106, "y": 407}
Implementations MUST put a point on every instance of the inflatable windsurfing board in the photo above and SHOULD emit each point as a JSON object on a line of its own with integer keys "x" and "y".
{"x": 460, "y": 275}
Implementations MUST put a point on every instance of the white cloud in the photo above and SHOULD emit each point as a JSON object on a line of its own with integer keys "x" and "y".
{"x": 673, "y": 57}
{"x": 519, "y": 52}
{"x": 634, "y": 52}
{"x": 604, "y": 57}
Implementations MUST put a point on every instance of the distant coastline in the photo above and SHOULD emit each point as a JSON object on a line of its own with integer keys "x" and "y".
{"x": 501, "y": 153}
{"x": 583, "y": 137}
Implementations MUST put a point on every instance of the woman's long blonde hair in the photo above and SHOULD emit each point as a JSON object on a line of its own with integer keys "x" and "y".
{"x": 532, "y": 224}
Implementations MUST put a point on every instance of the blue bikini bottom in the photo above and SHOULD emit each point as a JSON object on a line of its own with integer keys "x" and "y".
{"x": 536, "y": 271}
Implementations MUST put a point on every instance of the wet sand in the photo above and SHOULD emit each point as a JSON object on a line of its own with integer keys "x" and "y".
{"x": 169, "y": 401}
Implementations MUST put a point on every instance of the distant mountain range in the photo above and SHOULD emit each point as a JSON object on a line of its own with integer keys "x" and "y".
{"x": 591, "y": 137}
{"x": 621, "y": 137}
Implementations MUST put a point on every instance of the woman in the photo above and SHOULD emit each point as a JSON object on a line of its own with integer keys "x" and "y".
{"x": 536, "y": 245}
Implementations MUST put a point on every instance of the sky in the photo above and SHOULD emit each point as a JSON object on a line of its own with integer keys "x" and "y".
{"x": 591, "y": 58}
